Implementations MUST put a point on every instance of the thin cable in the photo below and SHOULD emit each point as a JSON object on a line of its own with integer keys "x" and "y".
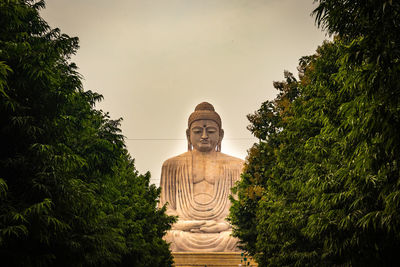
{"x": 179, "y": 139}
{"x": 153, "y": 139}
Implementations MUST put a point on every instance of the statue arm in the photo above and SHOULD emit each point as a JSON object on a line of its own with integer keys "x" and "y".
{"x": 168, "y": 188}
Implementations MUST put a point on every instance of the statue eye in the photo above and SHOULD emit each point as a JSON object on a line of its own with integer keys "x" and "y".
{"x": 211, "y": 130}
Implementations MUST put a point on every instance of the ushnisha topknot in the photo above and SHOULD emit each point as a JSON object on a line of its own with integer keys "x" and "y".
{"x": 204, "y": 106}
{"x": 204, "y": 111}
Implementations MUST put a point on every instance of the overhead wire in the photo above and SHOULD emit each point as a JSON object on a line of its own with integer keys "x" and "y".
{"x": 177, "y": 139}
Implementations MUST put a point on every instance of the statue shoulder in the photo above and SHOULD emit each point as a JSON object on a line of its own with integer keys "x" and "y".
{"x": 177, "y": 160}
{"x": 227, "y": 159}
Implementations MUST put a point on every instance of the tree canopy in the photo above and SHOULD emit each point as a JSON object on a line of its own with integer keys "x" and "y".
{"x": 322, "y": 186}
{"x": 69, "y": 192}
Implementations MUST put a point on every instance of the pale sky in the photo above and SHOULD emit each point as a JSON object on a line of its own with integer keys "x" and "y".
{"x": 155, "y": 60}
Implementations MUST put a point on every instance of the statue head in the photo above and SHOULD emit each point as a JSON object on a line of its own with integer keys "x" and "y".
{"x": 204, "y": 131}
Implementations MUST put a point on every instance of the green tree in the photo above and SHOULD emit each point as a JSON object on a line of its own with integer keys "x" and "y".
{"x": 267, "y": 123}
{"x": 70, "y": 194}
{"x": 326, "y": 171}
{"x": 268, "y": 190}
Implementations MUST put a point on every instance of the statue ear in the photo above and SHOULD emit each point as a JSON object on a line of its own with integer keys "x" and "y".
{"x": 221, "y": 136}
{"x": 188, "y": 139}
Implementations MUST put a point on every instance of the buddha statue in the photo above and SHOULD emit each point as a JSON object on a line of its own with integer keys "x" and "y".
{"x": 197, "y": 184}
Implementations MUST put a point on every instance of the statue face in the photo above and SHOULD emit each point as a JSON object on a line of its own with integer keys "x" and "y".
{"x": 204, "y": 135}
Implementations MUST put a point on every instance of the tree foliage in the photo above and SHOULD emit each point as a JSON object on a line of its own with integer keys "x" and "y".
{"x": 69, "y": 191}
{"x": 322, "y": 186}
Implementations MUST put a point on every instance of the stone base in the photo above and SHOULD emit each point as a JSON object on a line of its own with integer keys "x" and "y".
{"x": 214, "y": 259}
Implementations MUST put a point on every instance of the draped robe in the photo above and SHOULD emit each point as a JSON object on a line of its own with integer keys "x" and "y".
{"x": 177, "y": 188}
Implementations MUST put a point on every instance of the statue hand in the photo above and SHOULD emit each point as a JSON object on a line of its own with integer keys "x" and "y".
{"x": 214, "y": 227}
{"x": 192, "y": 226}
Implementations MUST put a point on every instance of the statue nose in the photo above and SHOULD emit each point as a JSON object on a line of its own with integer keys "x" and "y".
{"x": 204, "y": 134}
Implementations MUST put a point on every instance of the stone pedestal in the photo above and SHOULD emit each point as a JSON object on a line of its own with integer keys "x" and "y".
{"x": 209, "y": 259}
